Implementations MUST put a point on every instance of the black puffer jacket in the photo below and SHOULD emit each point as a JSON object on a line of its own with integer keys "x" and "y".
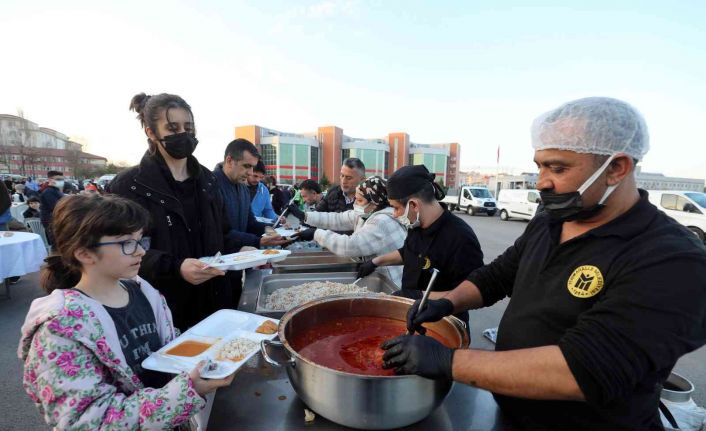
{"x": 334, "y": 202}
{"x": 5, "y": 200}
{"x": 148, "y": 185}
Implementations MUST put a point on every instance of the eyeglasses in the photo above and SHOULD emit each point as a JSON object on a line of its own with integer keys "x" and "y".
{"x": 129, "y": 246}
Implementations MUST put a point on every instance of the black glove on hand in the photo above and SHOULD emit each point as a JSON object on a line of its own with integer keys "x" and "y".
{"x": 296, "y": 212}
{"x": 305, "y": 235}
{"x": 434, "y": 310}
{"x": 366, "y": 268}
{"x": 420, "y": 355}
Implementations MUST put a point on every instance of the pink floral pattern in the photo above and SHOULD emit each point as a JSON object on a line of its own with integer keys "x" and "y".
{"x": 78, "y": 381}
{"x": 112, "y": 415}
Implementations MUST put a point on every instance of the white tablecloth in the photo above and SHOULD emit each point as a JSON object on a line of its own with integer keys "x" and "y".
{"x": 20, "y": 254}
{"x": 17, "y": 209}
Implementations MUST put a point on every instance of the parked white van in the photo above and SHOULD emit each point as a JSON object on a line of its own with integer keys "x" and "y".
{"x": 688, "y": 208}
{"x": 474, "y": 200}
{"x": 518, "y": 203}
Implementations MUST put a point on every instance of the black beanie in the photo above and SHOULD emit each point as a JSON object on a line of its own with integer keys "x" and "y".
{"x": 409, "y": 180}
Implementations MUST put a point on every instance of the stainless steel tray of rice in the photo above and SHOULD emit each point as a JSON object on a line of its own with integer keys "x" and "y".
{"x": 281, "y": 292}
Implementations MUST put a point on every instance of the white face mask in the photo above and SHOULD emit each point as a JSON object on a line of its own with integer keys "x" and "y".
{"x": 59, "y": 184}
{"x": 404, "y": 219}
{"x": 360, "y": 209}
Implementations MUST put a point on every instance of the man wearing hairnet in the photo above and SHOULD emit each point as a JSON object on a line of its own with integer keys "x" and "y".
{"x": 606, "y": 292}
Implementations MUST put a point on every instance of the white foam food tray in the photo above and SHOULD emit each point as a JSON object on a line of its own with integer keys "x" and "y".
{"x": 245, "y": 259}
{"x": 286, "y": 232}
{"x": 217, "y": 329}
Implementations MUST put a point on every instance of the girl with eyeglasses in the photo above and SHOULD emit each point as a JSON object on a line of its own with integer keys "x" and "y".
{"x": 82, "y": 345}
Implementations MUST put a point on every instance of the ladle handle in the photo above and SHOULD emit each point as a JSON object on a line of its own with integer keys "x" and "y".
{"x": 291, "y": 201}
{"x": 425, "y": 297}
{"x": 423, "y": 302}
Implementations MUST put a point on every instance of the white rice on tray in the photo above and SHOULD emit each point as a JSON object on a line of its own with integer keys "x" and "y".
{"x": 290, "y": 297}
{"x": 236, "y": 349}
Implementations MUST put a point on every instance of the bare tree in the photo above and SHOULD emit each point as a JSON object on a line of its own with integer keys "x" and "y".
{"x": 5, "y": 158}
{"x": 29, "y": 154}
{"x": 73, "y": 160}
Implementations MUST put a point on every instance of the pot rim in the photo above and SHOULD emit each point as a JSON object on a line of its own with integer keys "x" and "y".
{"x": 465, "y": 341}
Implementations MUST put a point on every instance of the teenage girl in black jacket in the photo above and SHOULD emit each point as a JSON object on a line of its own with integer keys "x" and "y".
{"x": 187, "y": 212}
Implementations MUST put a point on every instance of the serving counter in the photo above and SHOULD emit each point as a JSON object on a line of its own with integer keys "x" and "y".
{"x": 261, "y": 397}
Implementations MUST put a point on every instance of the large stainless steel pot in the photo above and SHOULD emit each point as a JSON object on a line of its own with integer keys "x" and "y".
{"x": 358, "y": 401}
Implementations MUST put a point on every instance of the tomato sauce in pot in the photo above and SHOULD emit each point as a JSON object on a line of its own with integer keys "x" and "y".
{"x": 352, "y": 344}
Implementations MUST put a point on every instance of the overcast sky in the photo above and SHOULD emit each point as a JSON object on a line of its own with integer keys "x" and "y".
{"x": 441, "y": 71}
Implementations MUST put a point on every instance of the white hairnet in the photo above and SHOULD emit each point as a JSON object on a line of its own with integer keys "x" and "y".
{"x": 594, "y": 125}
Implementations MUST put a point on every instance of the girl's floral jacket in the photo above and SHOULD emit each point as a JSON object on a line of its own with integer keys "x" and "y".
{"x": 76, "y": 373}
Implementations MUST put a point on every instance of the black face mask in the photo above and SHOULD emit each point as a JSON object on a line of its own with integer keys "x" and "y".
{"x": 180, "y": 145}
{"x": 567, "y": 206}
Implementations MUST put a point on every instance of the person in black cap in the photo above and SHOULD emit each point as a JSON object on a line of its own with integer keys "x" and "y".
{"x": 436, "y": 238}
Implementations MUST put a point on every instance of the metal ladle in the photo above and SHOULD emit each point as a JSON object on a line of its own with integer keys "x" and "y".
{"x": 423, "y": 302}
{"x": 291, "y": 201}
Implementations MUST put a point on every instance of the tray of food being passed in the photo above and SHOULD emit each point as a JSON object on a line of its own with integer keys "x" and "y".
{"x": 245, "y": 259}
{"x": 226, "y": 339}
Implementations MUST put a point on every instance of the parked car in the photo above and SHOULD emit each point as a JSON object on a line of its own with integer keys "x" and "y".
{"x": 472, "y": 199}
{"x": 518, "y": 203}
{"x": 688, "y": 208}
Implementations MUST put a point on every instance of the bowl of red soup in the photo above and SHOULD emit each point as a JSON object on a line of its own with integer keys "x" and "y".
{"x": 334, "y": 360}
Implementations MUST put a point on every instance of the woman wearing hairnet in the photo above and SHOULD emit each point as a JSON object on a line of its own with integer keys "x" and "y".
{"x": 606, "y": 291}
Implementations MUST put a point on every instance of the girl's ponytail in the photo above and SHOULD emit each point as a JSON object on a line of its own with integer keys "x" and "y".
{"x": 58, "y": 275}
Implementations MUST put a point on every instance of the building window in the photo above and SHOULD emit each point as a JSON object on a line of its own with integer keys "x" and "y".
{"x": 386, "y": 168}
{"x": 269, "y": 158}
{"x": 286, "y": 164}
{"x": 314, "y": 163}
{"x": 345, "y": 154}
{"x": 302, "y": 162}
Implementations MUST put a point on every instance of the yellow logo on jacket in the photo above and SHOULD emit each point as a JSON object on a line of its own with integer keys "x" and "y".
{"x": 586, "y": 281}
{"x": 427, "y": 263}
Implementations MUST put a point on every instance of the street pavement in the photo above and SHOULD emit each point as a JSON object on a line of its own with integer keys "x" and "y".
{"x": 495, "y": 235}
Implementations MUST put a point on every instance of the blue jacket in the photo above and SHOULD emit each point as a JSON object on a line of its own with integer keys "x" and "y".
{"x": 6, "y": 216}
{"x": 244, "y": 228}
{"x": 261, "y": 204}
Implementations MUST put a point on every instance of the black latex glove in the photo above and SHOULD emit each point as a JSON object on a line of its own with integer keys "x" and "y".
{"x": 305, "y": 235}
{"x": 420, "y": 355}
{"x": 296, "y": 212}
{"x": 366, "y": 268}
{"x": 434, "y": 310}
